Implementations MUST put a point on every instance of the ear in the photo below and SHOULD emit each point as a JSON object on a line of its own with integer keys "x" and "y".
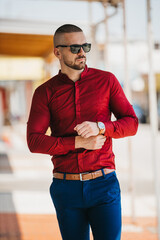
{"x": 57, "y": 53}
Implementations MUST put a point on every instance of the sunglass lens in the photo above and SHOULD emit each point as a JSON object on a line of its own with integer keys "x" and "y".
{"x": 86, "y": 47}
{"x": 75, "y": 49}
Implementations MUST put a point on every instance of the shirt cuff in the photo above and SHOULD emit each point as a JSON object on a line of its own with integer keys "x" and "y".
{"x": 69, "y": 143}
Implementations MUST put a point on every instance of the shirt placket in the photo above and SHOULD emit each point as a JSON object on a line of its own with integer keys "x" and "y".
{"x": 78, "y": 120}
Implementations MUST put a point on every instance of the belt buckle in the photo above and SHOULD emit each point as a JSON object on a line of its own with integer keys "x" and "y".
{"x": 81, "y": 174}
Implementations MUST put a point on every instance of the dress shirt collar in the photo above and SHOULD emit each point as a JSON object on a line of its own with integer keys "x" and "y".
{"x": 63, "y": 77}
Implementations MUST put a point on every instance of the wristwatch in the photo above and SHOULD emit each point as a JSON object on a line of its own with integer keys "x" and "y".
{"x": 101, "y": 127}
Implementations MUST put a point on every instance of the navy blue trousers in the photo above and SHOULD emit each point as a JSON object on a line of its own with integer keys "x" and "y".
{"x": 94, "y": 203}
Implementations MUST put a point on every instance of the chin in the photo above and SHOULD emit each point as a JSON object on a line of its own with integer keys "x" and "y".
{"x": 80, "y": 66}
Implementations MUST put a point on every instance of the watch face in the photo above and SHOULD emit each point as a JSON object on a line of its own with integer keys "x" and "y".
{"x": 101, "y": 125}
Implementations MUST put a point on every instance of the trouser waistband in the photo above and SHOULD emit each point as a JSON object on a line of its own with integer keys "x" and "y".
{"x": 83, "y": 176}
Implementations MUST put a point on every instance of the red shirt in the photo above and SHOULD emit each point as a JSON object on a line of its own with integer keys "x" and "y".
{"x": 61, "y": 104}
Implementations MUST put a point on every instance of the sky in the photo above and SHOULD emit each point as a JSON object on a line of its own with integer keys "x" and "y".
{"x": 77, "y": 12}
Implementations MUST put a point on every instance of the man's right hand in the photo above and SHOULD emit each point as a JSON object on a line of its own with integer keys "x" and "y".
{"x": 90, "y": 143}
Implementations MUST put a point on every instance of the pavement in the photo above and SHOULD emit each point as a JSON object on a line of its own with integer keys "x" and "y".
{"x": 26, "y": 209}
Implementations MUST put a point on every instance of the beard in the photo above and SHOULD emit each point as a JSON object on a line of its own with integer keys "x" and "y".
{"x": 76, "y": 66}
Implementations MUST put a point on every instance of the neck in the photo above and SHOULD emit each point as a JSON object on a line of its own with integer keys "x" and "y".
{"x": 73, "y": 74}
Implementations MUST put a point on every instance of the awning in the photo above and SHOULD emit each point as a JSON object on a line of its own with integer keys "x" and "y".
{"x": 25, "y": 44}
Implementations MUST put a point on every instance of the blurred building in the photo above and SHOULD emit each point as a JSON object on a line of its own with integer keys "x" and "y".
{"x": 25, "y": 61}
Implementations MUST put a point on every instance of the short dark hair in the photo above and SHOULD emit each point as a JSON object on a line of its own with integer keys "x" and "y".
{"x": 66, "y": 28}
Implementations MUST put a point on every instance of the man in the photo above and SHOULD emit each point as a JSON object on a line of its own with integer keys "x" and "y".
{"x": 77, "y": 105}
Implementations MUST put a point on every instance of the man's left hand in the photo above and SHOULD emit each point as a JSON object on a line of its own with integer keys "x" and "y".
{"x": 87, "y": 129}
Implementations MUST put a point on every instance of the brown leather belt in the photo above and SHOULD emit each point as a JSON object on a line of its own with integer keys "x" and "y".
{"x": 83, "y": 176}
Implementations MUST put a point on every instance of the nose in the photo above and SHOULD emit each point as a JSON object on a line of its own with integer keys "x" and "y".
{"x": 81, "y": 51}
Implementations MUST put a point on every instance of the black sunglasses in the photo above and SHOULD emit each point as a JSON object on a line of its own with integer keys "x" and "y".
{"x": 75, "y": 48}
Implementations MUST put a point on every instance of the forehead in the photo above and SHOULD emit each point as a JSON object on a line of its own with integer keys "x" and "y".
{"x": 74, "y": 38}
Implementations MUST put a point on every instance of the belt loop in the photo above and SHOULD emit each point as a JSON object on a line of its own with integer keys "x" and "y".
{"x": 64, "y": 176}
{"x": 103, "y": 172}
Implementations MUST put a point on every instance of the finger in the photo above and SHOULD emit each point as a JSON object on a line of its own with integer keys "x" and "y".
{"x": 101, "y": 137}
{"x": 79, "y": 126}
{"x": 82, "y": 131}
{"x": 100, "y": 146}
{"x": 76, "y": 127}
{"x": 87, "y": 135}
{"x": 102, "y": 142}
{"x": 104, "y": 138}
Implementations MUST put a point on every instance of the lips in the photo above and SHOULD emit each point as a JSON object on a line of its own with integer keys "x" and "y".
{"x": 81, "y": 59}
